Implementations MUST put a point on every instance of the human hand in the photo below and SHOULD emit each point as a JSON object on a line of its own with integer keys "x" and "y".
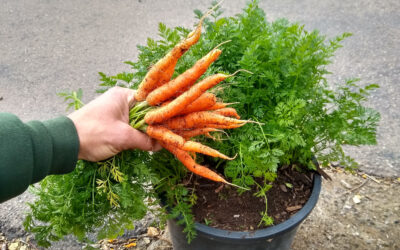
{"x": 103, "y": 126}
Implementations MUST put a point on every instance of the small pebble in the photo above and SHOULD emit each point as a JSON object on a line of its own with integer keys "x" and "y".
{"x": 345, "y": 184}
{"x": 283, "y": 188}
{"x": 146, "y": 240}
{"x": 347, "y": 207}
{"x": 357, "y": 198}
{"x": 14, "y": 246}
{"x": 152, "y": 231}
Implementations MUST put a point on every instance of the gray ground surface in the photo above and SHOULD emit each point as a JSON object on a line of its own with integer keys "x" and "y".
{"x": 53, "y": 46}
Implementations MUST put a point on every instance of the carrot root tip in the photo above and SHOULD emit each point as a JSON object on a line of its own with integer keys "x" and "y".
{"x": 219, "y": 130}
{"x": 237, "y": 186}
{"x": 251, "y": 121}
{"x": 211, "y": 10}
{"x": 231, "y": 103}
{"x": 216, "y": 47}
{"x": 210, "y": 136}
{"x": 232, "y": 158}
{"x": 204, "y": 17}
{"x": 241, "y": 70}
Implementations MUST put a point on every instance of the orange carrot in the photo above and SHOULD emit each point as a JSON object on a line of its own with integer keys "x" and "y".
{"x": 193, "y": 146}
{"x": 210, "y": 136}
{"x": 155, "y": 77}
{"x": 220, "y": 105}
{"x": 204, "y": 102}
{"x": 184, "y": 80}
{"x": 221, "y": 126}
{"x": 165, "y": 135}
{"x": 187, "y": 134}
{"x": 177, "y": 105}
{"x": 192, "y": 154}
{"x": 161, "y": 72}
{"x": 227, "y": 112}
{"x": 197, "y": 119}
{"x": 210, "y": 125}
{"x": 166, "y": 77}
{"x": 166, "y": 103}
{"x": 191, "y": 165}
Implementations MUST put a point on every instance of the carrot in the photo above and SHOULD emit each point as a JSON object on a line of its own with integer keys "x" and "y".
{"x": 200, "y": 148}
{"x": 220, "y": 105}
{"x": 157, "y": 76}
{"x": 166, "y": 77}
{"x": 165, "y": 103}
{"x": 221, "y": 126}
{"x": 191, "y": 165}
{"x": 186, "y": 88}
{"x": 196, "y": 119}
{"x": 210, "y": 136}
{"x": 204, "y": 102}
{"x": 195, "y": 168}
{"x": 194, "y": 36}
{"x": 192, "y": 154}
{"x": 231, "y": 112}
{"x": 210, "y": 125}
{"x": 165, "y": 135}
{"x": 161, "y": 72}
{"x": 213, "y": 125}
{"x": 177, "y": 105}
{"x": 186, "y": 79}
{"x": 187, "y": 134}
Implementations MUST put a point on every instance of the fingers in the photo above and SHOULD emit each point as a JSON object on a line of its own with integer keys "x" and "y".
{"x": 131, "y": 98}
{"x": 157, "y": 146}
{"x": 134, "y": 139}
{"x": 129, "y": 94}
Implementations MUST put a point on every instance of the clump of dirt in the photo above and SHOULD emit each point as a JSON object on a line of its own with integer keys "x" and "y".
{"x": 223, "y": 207}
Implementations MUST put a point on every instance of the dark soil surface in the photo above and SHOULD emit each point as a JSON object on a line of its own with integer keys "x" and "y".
{"x": 223, "y": 207}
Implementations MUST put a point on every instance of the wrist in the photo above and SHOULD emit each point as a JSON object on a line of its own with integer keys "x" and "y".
{"x": 74, "y": 117}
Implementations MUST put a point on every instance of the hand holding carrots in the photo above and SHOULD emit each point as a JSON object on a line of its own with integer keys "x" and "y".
{"x": 103, "y": 126}
{"x": 173, "y": 111}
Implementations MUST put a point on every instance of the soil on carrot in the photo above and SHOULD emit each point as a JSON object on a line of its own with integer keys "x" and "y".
{"x": 223, "y": 207}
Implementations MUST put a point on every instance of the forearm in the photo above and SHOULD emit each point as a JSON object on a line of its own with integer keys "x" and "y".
{"x": 31, "y": 151}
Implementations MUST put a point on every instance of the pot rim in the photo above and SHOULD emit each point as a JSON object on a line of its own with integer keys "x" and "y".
{"x": 269, "y": 232}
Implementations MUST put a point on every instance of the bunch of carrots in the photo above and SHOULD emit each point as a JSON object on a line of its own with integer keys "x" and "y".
{"x": 173, "y": 111}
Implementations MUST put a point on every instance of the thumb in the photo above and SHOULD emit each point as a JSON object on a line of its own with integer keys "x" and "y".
{"x": 134, "y": 139}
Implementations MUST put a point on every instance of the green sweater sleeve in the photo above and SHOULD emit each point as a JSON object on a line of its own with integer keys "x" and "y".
{"x": 31, "y": 151}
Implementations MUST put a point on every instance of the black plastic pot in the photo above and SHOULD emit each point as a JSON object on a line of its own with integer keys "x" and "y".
{"x": 276, "y": 237}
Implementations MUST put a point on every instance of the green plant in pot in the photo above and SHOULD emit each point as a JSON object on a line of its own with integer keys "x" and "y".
{"x": 300, "y": 121}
